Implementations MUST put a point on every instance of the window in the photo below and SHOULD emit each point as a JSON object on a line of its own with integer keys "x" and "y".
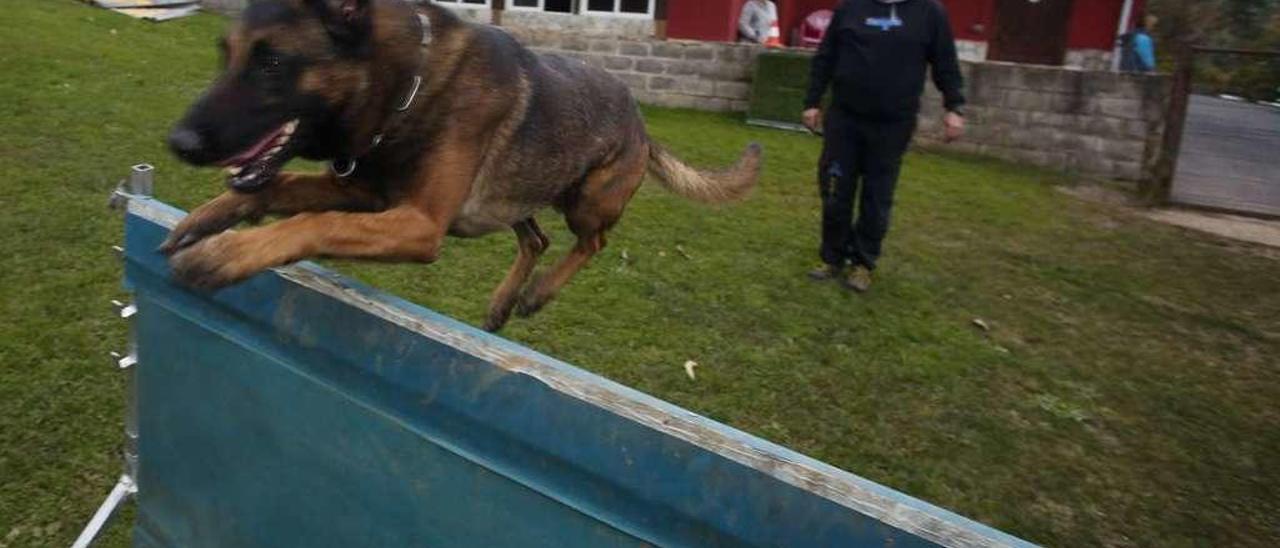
{"x": 624, "y": 8}
{"x": 465, "y": 3}
{"x": 631, "y": 8}
{"x": 555, "y": 6}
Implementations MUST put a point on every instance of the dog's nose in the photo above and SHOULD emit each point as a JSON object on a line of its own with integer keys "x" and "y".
{"x": 187, "y": 144}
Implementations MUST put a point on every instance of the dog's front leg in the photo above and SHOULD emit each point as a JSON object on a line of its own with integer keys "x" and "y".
{"x": 400, "y": 234}
{"x": 288, "y": 194}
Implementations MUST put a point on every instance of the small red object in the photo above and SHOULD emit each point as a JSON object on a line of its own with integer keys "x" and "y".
{"x": 814, "y": 27}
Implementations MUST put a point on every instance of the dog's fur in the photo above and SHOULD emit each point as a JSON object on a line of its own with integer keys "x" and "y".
{"x": 494, "y": 134}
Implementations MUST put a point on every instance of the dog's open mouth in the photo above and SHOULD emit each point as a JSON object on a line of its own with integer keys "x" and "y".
{"x": 254, "y": 167}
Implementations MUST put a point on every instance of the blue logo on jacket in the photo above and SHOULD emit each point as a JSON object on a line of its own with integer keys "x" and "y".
{"x": 884, "y": 23}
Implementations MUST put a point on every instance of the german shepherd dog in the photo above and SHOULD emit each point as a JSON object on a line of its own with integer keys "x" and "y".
{"x": 432, "y": 127}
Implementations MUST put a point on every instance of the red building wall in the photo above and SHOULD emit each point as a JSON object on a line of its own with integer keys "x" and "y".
{"x": 717, "y": 20}
{"x": 713, "y": 20}
{"x": 799, "y": 10}
{"x": 1092, "y": 24}
{"x": 971, "y": 19}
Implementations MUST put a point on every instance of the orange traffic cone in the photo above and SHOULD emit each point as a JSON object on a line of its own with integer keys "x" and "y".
{"x": 775, "y": 37}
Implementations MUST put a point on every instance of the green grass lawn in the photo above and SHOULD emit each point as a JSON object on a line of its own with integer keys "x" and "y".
{"x": 1126, "y": 393}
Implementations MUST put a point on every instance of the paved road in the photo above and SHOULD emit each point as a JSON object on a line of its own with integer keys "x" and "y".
{"x": 1230, "y": 157}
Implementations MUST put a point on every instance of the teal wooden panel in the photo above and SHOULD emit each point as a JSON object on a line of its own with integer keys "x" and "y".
{"x": 303, "y": 409}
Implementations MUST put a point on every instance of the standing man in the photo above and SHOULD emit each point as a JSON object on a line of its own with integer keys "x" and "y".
{"x": 873, "y": 56}
{"x": 756, "y": 20}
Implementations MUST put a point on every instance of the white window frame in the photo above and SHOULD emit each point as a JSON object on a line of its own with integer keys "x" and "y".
{"x": 465, "y": 6}
{"x": 617, "y": 5}
{"x": 541, "y": 7}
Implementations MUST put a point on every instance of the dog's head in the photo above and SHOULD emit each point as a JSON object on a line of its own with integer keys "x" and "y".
{"x": 299, "y": 78}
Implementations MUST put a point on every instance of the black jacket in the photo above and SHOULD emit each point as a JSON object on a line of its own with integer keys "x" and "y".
{"x": 877, "y": 61}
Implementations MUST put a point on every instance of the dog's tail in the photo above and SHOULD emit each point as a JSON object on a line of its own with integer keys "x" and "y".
{"x": 713, "y": 187}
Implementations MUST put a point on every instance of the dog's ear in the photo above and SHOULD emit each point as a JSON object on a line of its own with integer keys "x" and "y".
{"x": 349, "y": 21}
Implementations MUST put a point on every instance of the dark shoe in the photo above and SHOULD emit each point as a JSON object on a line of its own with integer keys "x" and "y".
{"x": 824, "y": 273}
{"x": 858, "y": 279}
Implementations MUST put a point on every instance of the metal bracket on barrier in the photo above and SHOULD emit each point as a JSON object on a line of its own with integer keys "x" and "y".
{"x": 125, "y": 311}
{"x": 124, "y": 361}
{"x": 139, "y": 183}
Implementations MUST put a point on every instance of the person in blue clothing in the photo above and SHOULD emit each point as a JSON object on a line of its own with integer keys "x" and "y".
{"x": 1138, "y": 49}
{"x": 874, "y": 58}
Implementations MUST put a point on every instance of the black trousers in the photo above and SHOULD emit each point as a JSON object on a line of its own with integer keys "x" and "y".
{"x": 859, "y": 155}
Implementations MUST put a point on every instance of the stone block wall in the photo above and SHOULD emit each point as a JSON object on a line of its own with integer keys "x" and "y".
{"x": 1093, "y": 122}
{"x": 1099, "y": 123}
{"x": 474, "y": 15}
{"x": 673, "y": 73}
{"x": 971, "y": 50}
{"x": 1088, "y": 59}
{"x": 635, "y": 28}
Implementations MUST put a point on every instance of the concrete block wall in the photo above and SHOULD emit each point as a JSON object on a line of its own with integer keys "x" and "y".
{"x": 636, "y": 28}
{"x": 1088, "y": 59}
{"x": 1093, "y": 122}
{"x": 474, "y": 15}
{"x": 673, "y": 73}
{"x": 971, "y": 50}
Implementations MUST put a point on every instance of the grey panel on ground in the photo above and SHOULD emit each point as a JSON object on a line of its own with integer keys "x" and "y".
{"x": 118, "y": 4}
{"x": 1230, "y": 157}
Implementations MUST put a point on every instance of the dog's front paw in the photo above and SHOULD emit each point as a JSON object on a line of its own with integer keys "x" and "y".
{"x": 212, "y": 218}
{"x": 212, "y": 263}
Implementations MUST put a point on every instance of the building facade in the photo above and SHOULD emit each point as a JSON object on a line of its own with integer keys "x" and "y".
{"x": 1073, "y": 33}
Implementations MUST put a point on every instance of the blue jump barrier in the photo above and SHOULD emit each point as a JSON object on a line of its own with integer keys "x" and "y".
{"x": 301, "y": 408}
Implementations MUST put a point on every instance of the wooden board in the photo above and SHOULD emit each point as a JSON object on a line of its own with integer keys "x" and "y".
{"x": 301, "y": 408}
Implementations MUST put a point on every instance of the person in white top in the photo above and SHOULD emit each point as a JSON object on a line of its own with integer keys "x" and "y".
{"x": 756, "y": 20}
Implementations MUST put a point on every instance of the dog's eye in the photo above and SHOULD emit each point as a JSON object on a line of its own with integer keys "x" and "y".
{"x": 271, "y": 65}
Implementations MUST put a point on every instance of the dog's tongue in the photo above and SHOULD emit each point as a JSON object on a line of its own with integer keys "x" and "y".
{"x": 249, "y": 154}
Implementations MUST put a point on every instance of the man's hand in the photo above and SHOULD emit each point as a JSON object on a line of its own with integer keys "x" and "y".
{"x": 953, "y": 125}
{"x": 813, "y": 120}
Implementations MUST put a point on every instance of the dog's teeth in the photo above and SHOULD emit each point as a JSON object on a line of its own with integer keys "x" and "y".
{"x": 234, "y": 170}
{"x": 275, "y": 149}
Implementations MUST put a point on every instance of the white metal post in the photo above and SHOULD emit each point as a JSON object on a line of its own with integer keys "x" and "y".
{"x": 139, "y": 183}
{"x": 1126, "y": 13}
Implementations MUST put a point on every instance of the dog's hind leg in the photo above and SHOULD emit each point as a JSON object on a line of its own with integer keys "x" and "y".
{"x": 541, "y": 291}
{"x": 532, "y": 243}
{"x": 599, "y": 203}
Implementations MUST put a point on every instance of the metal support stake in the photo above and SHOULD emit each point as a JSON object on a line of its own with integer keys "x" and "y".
{"x": 142, "y": 180}
{"x": 139, "y": 183}
{"x": 1154, "y": 190}
{"x": 124, "y": 489}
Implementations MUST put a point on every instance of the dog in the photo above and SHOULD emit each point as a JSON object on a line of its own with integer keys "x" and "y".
{"x": 432, "y": 126}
